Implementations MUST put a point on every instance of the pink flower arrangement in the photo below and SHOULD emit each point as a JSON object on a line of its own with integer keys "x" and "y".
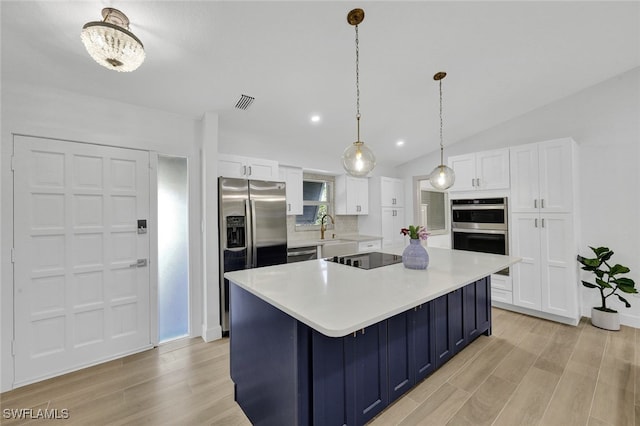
{"x": 415, "y": 232}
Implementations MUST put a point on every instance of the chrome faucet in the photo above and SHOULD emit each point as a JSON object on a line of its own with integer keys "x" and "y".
{"x": 324, "y": 228}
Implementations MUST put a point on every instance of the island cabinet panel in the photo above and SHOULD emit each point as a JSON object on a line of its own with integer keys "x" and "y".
{"x": 456, "y": 319}
{"x": 401, "y": 349}
{"x": 367, "y": 366}
{"x": 443, "y": 335}
{"x": 477, "y": 301}
{"x": 329, "y": 381}
{"x": 422, "y": 341}
{"x": 269, "y": 358}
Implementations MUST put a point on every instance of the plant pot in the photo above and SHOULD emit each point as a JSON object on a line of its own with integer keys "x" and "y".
{"x": 415, "y": 256}
{"x": 605, "y": 320}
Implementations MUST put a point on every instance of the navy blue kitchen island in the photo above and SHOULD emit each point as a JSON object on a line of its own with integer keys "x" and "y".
{"x": 294, "y": 371}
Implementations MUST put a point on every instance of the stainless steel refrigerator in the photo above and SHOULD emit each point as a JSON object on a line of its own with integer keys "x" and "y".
{"x": 253, "y": 229}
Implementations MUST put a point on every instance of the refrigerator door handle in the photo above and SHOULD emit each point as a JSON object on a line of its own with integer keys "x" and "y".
{"x": 254, "y": 248}
{"x": 249, "y": 231}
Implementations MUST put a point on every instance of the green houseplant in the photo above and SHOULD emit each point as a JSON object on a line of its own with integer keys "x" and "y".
{"x": 609, "y": 281}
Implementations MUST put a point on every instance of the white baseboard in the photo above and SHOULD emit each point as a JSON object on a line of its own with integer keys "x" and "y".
{"x": 211, "y": 334}
{"x": 534, "y": 313}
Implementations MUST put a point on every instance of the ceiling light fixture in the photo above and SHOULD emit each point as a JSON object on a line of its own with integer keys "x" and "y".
{"x": 400, "y": 143}
{"x": 442, "y": 177}
{"x": 111, "y": 43}
{"x": 357, "y": 159}
{"x": 315, "y": 118}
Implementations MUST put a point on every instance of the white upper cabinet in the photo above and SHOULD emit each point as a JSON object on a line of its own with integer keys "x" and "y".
{"x": 487, "y": 170}
{"x": 247, "y": 168}
{"x": 292, "y": 176}
{"x": 391, "y": 192}
{"x": 541, "y": 177}
{"x": 352, "y": 195}
{"x": 464, "y": 167}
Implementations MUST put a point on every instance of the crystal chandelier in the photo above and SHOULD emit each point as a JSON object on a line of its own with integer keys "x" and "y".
{"x": 442, "y": 177}
{"x": 358, "y": 160}
{"x": 111, "y": 43}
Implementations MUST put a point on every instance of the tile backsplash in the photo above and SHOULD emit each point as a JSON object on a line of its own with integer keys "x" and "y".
{"x": 343, "y": 225}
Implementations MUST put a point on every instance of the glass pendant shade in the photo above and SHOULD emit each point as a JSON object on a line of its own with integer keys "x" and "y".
{"x": 442, "y": 177}
{"x": 358, "y": 160}
{"x": 111, "y": 44}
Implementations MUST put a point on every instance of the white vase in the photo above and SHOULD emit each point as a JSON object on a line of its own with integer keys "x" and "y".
{"x": 606, "y": 320}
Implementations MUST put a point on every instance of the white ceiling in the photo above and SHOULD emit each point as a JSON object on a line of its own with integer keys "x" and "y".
{"x": 298, "y": 58}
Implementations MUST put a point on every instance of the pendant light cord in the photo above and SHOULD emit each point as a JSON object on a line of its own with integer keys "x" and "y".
{"x": 357, "y": 83}
{"x": 441, "y": 144}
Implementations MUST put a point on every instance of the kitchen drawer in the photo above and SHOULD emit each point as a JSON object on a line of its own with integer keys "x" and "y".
{"x": 503, "y": 296}
{"x": 370, "y": 245}
{"x": 501, "y": 282}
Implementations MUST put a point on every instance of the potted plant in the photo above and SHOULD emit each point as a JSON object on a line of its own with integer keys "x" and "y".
{"x": 609, "y": 282}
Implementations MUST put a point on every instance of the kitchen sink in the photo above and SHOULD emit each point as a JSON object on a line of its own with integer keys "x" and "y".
{"x": 332, "y": 248}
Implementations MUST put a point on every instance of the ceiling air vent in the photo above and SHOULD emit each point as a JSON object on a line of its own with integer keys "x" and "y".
{"x": 244, "y": 102}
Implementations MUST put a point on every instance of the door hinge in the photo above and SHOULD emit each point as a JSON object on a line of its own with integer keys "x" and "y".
{"x": 13, "y": 255}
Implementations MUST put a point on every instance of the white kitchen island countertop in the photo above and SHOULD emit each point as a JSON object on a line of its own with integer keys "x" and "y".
{"x": 337, "y": 300}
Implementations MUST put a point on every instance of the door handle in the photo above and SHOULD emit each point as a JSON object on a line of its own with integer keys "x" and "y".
{"x": 289, "y": 206}
{"x": 249, "y": 170}
{"x": 473, "y": 182}
{"x": 535, "y": 223}
{"x": 543, "y": 222}
{"x": 139, "y": 264}
{"x": 244, "y": 170}
{"x": 542, "y": 204}
{"x": 535, "y": 203}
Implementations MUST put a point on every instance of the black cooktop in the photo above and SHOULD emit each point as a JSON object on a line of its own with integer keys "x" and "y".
{"x": 370, "y": 260}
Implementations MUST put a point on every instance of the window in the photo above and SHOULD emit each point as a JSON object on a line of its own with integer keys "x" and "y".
{"x": 317, "y": 196}
{"x": 431, "y": 206}
{"x": 432, "y": 210}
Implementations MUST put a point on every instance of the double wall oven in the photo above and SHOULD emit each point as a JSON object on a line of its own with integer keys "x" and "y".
{"x": 480, "y": 225}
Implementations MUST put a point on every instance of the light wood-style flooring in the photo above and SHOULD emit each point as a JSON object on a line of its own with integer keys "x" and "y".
{"x": 529, "y": 372}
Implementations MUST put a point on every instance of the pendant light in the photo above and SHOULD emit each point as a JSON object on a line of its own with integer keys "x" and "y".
{"x": 442, "y": 177}
{"x": 111, "y": 44}
{"x": 358, "y": 160}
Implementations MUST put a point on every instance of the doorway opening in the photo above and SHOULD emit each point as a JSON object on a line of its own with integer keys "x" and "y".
{"x": 173, "y": 248}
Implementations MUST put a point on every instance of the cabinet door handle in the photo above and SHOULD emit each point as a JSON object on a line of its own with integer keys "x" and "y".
{"x": 478, "y": 182}
{"x": 542, "y": 204}
{"x": 535, "y": 203}
{"x": 473, "y": 182}
{"x": 289, "y": 206}
{"x": 249, "y": 170}
{"x": 244, "y": 170}
{"x": 543, "y": 222}
{"x": 535, "y": 223}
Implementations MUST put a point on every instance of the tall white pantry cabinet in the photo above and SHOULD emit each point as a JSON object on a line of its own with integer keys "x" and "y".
{"x": 543, "y": 228}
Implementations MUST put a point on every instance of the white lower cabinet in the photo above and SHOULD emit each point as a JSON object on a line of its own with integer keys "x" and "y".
{"x": 501, "y": 288}
{"x": 546, "y": 279}
{"x": 372, "y": 245}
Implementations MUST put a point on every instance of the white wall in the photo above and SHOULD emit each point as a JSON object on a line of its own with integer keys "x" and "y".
{"x": 39, "y": 111}
{"x": 605, "y": 122}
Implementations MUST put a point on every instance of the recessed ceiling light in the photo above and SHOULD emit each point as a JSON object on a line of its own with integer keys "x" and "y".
{"x": 400, "y": 143}
{"x": 315, "y": 118}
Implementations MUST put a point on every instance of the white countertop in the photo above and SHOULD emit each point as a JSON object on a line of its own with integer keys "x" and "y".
{"x": 295, "y": 243}
{"x": 337, "y": 300}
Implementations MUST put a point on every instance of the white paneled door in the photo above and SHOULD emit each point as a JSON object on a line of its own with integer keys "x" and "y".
{"x": 81, "y": 278}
